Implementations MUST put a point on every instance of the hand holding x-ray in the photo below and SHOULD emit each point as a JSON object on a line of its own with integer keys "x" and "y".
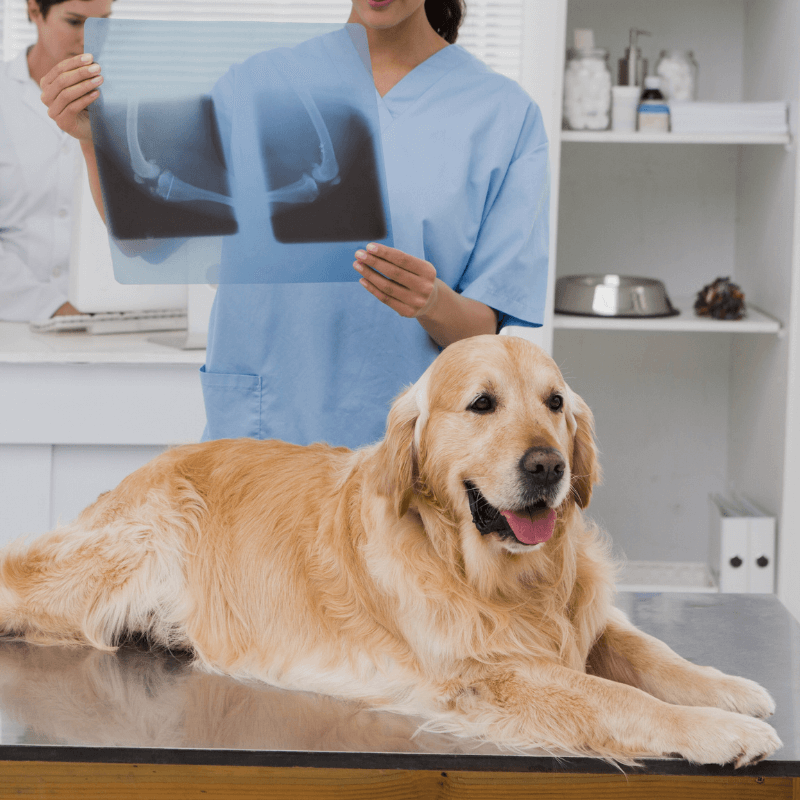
{"x": 68, "y": 90}
{"x": 259, "y": 144}
{"x": 405, "y": 283}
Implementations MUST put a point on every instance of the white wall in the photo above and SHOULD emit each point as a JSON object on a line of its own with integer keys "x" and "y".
{"x": 659, "y": 211}
{"x": 712, "y": 29}
{"x": 44, "y": 485}
{"x": 660, "y": 406}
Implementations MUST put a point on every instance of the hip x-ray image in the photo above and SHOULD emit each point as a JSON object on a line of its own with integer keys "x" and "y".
{"x": 237, "y": 152}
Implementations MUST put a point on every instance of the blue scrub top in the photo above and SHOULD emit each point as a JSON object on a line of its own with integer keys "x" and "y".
{"x": 466, "y": 162}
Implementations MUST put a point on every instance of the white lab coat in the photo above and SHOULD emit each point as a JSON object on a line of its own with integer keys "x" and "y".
{"x": 38, "y": 163}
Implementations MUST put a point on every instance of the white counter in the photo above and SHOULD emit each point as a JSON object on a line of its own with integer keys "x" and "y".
{"x": 20, "y": 345}
{"x": 79, "y": 412}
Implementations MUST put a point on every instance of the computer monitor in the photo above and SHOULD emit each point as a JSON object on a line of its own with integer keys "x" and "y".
{"x": 92, "y": 287}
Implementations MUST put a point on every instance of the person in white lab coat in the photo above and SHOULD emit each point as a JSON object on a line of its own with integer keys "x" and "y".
{"x": 38, "y": 165}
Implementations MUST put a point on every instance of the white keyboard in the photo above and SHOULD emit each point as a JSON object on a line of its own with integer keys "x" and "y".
{"x": 173, "y": 319}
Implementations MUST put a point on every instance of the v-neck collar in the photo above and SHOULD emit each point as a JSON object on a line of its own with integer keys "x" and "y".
{"x": 412, "y": 86}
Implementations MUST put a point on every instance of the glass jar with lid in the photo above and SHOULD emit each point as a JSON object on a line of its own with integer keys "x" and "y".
{"x": 678, "y": 72}
{"x": 587, "y": 89}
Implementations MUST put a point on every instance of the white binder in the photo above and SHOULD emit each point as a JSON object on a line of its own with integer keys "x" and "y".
{"x": 729, "y": 540}
{"x": 761, "y": 548}
{"x": 742, "y": 556}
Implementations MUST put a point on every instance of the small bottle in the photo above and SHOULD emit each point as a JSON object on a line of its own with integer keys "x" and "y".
{"x": 633, "y": 67}
{"x": 653, "y": 109}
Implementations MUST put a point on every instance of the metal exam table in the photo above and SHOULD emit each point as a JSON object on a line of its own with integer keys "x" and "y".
{"x": 78, "y": 723}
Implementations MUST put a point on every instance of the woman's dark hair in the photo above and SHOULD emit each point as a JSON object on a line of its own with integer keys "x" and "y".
{"x": 45, "y": 6}
{"x": 445, "y": 17}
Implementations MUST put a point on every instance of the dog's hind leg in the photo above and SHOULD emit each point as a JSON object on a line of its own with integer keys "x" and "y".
{"x": 116, "y": 569}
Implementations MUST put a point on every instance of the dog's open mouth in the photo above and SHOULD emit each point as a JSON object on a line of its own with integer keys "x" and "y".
{"x": 532, "y": 525}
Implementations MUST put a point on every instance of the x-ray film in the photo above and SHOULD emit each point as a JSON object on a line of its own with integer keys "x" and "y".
{"x": 237, "y": 152}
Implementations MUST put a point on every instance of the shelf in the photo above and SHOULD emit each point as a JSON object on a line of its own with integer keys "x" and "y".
{"x": 687, "y": 322}
{"x": 674, "y": 138}
{"x": 666, "y": 576}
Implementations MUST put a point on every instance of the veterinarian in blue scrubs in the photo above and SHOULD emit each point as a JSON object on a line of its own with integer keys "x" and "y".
{"x": 466, "y": 161}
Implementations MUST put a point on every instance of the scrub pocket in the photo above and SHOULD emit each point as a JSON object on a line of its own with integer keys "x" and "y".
{"x": 233, "y": 405}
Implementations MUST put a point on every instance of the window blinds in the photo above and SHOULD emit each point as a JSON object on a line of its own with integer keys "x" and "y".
{"x": 492, "y": 29}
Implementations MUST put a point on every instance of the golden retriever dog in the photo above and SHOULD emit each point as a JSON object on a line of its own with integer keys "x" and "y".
{"x": 447, "y": 572}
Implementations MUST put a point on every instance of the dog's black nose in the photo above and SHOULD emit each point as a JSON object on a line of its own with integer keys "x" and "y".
{"x": 544, "y": 465}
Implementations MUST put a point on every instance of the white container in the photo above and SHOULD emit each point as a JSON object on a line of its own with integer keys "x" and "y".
{"x": 678, "y": 72}
{"x": 587, "y": 90}
{"x": 624, "y": 107}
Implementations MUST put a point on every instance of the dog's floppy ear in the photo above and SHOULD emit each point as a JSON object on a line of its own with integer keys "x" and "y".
{"x": 397, "y": 454}
{"x": 585, "y": 466}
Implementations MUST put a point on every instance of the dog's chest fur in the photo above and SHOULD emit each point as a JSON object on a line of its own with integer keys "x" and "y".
{"x": 446, "y": 623}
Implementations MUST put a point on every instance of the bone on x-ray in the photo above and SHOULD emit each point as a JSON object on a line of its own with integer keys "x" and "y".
{"x": 237, "y": 152}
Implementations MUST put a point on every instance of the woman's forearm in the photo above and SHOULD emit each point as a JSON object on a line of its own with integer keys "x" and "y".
{"x": 452, "y": 316}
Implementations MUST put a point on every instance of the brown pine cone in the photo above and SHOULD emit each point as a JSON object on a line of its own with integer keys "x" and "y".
{"x": 720, "y": 300}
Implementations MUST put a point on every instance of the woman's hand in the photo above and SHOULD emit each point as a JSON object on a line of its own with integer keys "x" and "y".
{"x": 67, "y": 90}
{"x": 403, "y": 282}
{"x": 65, "y": 310}
{"x": 409, "y": 286}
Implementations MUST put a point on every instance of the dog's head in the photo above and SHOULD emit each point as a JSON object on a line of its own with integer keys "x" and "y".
{"x": 492, "y": 433}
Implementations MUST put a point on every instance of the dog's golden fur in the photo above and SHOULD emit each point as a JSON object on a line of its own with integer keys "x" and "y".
{"x": 362, "y": 574}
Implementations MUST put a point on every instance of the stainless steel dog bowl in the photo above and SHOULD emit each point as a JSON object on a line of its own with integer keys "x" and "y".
{"x": 612, "y": 296}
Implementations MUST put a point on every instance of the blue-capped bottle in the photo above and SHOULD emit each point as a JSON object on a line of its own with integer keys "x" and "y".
{"x": 653, "y": 108}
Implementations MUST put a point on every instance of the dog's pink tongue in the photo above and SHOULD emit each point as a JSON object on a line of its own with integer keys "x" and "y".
{"x": 531, "y": 531}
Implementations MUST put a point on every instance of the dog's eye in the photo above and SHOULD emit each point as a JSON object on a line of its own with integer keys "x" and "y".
{"x": 484, "y": 404}
{"x": 555, "y": 402}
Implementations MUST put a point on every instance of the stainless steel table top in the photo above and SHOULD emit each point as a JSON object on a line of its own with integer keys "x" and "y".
{"x": 78, "y": 704}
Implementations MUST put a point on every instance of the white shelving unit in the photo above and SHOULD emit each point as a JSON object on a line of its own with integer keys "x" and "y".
{"x": 687, "y": 321}
{"x": 684, "y": 415}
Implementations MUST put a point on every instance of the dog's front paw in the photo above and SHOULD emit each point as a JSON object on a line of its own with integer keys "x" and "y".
{"x": 741, "y": 695}
{"x": 714, "y": 736}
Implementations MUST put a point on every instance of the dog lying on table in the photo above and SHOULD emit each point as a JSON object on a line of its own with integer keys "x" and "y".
{"x": 447, "y": 571}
